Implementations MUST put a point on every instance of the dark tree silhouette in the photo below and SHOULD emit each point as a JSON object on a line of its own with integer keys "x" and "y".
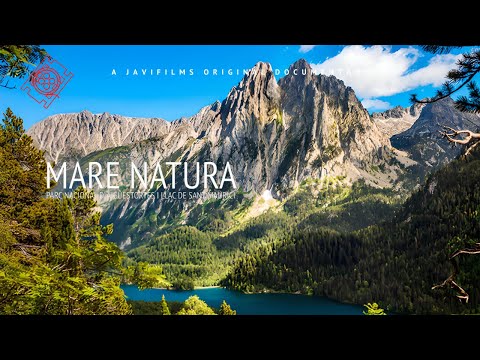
{"x": 468, "y": 66}
{"x": 463, "y": 75}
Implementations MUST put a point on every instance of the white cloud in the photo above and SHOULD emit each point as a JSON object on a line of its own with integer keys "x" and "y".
{"x": 306, "y": 48}
{"x": 377, "y": 71}
{"x": 375, "y": 104}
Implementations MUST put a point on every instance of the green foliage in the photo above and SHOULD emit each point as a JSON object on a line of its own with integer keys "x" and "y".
{"x": 467, "y": 68}
{"x": 185, "y": 254}
{"x": 374, "y": 309}
{"x": 194, "y": 306}
{"x": 183, "y": 282}
{"x": 164, "y": 306}
{"x": 145, "y": 275}
{"x": 225, "y": 309}
{"x": 16, "y": 61}
{"x": 65, "y": 268}
{"x": 22, "y": 168}
{"x": 54, "y": 255}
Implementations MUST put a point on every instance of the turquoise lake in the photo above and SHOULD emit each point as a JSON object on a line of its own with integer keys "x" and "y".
{"x": 251, "y": 304}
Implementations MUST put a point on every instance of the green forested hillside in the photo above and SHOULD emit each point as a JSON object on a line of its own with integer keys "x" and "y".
{"x": 200, "y": 256}
{"x": 395, "y": 264}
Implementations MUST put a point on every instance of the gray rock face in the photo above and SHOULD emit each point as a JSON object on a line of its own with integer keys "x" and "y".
{"x": 77, "y": 135}
{"x": 398, "y": 119}
{"x": 423, "y": 140}
{"x": 278, "y": 134}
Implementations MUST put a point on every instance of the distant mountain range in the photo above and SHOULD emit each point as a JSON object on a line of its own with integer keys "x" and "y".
{"x": 398, "y": 119}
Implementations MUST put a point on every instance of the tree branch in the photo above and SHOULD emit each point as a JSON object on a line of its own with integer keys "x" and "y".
{"x": 452, "y": 134}
{"x": 450, "y": 283}
{"x": 449, "y": 92}
{"x": 473, "y": 251}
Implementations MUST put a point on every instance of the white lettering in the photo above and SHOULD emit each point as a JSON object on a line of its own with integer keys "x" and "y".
{"x": 173, "y": 165}
{"x": 158, "y": 169}
{"x": 206, "y": 175}
{"x": 111, "y": 175}
{"x": 228, "y": 171}
{"x": 185, "y": 176}
{"x": 62, "y": 171}
{"x": 77, "y": 172}
{"x": 142, "y": 178}
{"x": 92, "y": 176}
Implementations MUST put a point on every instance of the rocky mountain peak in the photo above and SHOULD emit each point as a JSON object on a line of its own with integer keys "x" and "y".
{"x": 437, "y": 114}
{"x": 105, "y": 116}
{"x": 301, "y": 64}
{"x": 300, "y": 73}
{"x": 273, "y": 135}
{"x": 256, "y": 97}
{"x": 260, "y": 81}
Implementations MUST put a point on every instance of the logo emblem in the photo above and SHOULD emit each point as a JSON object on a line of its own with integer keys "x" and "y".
{"x": 47, "y": 82}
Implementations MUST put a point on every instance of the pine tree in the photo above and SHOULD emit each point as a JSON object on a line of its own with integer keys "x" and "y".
{"x": 374, "y": 309}
{"x": 194, "y": 306}
{"x": 16, "y": 61}
{"x": 225, "y": 309}
{"x": 164, "y": 306}
{"x": 54, "y": 254}
{"x": 468, "y": 66}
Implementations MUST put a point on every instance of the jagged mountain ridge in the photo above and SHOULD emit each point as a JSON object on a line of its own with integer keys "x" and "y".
{"x": 75, "y": 135}
{"x": 79, "y": 134}
{"x": 274, "y": 134}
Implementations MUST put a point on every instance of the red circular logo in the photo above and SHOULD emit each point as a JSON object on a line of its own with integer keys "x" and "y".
{"x": 46, "y": 80}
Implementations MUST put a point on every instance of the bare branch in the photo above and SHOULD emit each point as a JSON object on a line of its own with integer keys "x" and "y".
{"x": 450, "y": 283}
{"x": 472, "y": 251}
{"x": 452, "y": 136}
{"x": 469, "y": 150}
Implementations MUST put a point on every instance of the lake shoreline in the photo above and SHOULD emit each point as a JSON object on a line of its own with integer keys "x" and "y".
{"x": 264, "y": 291}
{"x": 259, "y": 303}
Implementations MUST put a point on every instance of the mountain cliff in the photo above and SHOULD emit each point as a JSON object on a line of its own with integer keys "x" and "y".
{"x": 278, "y": 134}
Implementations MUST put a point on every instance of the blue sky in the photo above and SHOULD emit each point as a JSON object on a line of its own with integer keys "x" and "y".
{"x": 381, "y": 76}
